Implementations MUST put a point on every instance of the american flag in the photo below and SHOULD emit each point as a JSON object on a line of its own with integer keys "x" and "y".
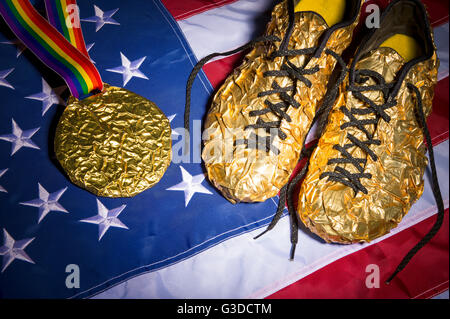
{"x": 181, "y": 238}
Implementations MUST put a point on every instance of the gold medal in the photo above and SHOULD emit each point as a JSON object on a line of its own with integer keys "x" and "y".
{"x": 115, "y": 143}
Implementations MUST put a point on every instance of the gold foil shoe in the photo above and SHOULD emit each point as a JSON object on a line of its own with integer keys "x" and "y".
{"x": 367, "y": 169}
{"x": 260, "y": 116}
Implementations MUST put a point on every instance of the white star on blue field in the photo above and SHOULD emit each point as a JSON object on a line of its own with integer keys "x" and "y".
{"x": 13, "y": 249}
{"x": 101, "y": 18}
{"x": 190, "y": 185}
{"x": 129, "y": 69}
{"x": 2, "y": 172}
{"x": 19, "y": 138}
{"x": 47, "y": 202}
{"x": 3, "y": 75}
{"x": 19, "y": 45}
{"x": 171, "y": 118}
{"x": 88, "y": 49}
{"x": 49, "y": 96}
{"x": 105, "y": 219}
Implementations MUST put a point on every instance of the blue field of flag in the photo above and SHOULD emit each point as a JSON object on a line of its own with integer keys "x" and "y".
{"x": 46, "y": 222}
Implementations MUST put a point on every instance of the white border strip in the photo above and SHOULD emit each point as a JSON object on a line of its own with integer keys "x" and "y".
{"x": 225, "y": 28}
{"x": 441, "y": 34}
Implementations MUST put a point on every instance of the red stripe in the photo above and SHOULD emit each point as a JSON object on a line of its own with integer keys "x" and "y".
{"x": 434, "y": 291}
{"x": 78, "y": 33}
{"x": 184, "y": 9}
{"x": 438, "y": 119}
{"x": 217, "y": 71}
{"x": 437, "y": 9}
{"x": 425, "y": 276}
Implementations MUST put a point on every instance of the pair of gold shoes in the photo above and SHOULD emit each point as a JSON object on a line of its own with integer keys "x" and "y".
{"x": 366, "y": 170}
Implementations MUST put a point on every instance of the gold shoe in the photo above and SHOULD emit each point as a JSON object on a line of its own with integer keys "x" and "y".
{"x": 367, "y": 169}
{"x": 260, "y": 116}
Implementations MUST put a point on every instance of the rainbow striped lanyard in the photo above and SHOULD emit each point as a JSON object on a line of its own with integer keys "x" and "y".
{"x": 57, "y": 42}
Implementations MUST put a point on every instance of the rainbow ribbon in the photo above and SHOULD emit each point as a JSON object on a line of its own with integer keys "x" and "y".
{"x": 62, "y": 14}
{"x": 60, "y": 45}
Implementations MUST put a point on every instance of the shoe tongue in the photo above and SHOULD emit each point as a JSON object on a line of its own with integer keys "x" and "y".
{"x": 309, "y": 26}
{"x": 307, "y": 29}
{"x": 385, "y": 61}
{"x": 313, "y": 16}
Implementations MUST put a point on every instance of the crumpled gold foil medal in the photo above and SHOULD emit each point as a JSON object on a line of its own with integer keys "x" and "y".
{"x": 114, "y": 144}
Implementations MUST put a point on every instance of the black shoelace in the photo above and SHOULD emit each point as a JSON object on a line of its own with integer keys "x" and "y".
{"x": 202, "y": 62}
{"x": 287, "y": 192}
{"x": 286, "y": 94}
{"x": 340, "y": 174}
{"x": 288, "y": 69}
{"x": 434, "y": 186}
{"x": 353, "y": 180}
{"x": 280, "y": 110}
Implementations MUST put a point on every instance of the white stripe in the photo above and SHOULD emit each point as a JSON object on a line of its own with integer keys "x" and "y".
{"x": 225, "y": 28}
{"x": 443, "y": 295}
{"x": 242, "y": 267}
{"x": 441, "y": 35}
{"x": 203, "y": 8}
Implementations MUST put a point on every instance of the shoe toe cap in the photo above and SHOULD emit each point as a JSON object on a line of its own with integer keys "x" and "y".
{"x": 245, "y": 182}
{"x": 335, "y": 213}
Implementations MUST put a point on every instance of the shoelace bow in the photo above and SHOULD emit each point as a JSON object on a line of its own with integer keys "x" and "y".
{"x": 343, "y": 176}
{"x": 288, "y": 69}
{"x": 295, "y": 73}
{"x": 280, "y": 109}
{"x": 340, "y": 174}
{"x": 287, "y": 94}
{"x": 287, "y": 191}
